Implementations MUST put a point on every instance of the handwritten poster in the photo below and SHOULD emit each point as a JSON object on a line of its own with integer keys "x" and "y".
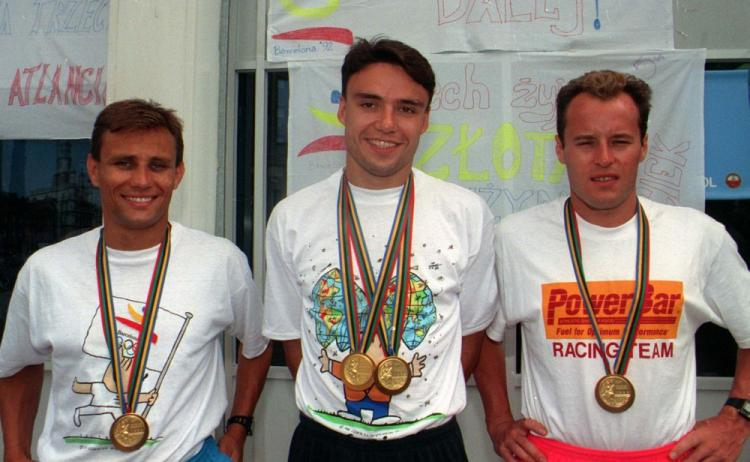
{"x": 52, "y": 71}
{"x": 313, "y": 29}
{"x": 492, "y": 124}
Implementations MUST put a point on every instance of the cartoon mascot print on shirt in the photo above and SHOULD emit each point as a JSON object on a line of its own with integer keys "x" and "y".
{"x": 370, "y": 406}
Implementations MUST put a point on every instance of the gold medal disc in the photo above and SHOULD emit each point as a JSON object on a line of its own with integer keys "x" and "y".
{"x": 129, "y": 432}
{"x": 615, "y": 393}
{"x": 358, "y": 371}
{"x": 393, "y": 375}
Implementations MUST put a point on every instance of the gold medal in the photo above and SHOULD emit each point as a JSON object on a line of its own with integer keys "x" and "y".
{"x": 129, "y": 432}
{"x": 615, "y": 393}
{"x": 393, "y": 375}
{"x": 358, "y": 371}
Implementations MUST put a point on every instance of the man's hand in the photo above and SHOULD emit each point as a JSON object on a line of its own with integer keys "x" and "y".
{"x": 510, "y": 439}
{"x": 19, "y": 400}
{"x": 233, "y": 442}
{"x": 717, "y": 439}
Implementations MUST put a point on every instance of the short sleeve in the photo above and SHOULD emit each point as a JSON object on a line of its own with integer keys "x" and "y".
{"x": 479, "y": 294}
{"x": 17, "y": 349}
{"x": 283, "y": 300}
{"x": 247, "y": 308}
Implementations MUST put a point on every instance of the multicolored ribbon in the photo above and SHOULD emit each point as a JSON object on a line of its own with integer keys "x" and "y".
{"x": 630, "y": 330}
{"x": 129, "y": 401}
{"x": 352, "y": 247}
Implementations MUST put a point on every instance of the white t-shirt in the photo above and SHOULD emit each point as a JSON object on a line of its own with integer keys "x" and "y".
{"x": 454, "y": 294}
{"x": 54, "y": 315}
{"x": 696, "y": 276}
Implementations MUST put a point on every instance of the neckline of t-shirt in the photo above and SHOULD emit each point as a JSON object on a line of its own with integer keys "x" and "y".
{"x": 376, "y": 196}
{"x": 140, "y": 256}
{"x": 624, "y": 230}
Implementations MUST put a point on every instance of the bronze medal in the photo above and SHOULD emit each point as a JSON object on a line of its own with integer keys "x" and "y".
{"x": 358, "y": 371}
{"x": 615, "y": 393}
{"x": 129, "y": 432}
{"x": 393, "y": 375}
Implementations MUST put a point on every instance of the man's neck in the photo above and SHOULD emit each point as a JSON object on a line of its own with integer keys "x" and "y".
{"x": 134, "y": 239}
{"x": 377, "y": 182}
{"x": 606, "y": 218}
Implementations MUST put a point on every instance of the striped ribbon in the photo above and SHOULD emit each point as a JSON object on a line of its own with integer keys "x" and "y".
{"x": 630, "y": 329}
{"x": 129, "y": 400}
{"x": 352, "y": 248}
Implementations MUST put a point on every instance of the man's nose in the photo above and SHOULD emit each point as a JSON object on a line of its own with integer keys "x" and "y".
{"x": 387, "y": 120}
{"x": 140, "y": 176}
{"x": 603, "y": 156}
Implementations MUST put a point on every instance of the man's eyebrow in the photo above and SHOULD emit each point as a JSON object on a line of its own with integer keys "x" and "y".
{"x": 365, "y": 95}
{"x": 413, "y": 102}
{"x": 373, "y": 96}
{"x": 121, "y": 156}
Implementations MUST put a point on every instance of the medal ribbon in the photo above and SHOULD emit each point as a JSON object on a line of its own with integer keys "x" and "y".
{"x": 630, "y": 329}
{"x": 352, "y": 247}
{"x": 129, "y": 400}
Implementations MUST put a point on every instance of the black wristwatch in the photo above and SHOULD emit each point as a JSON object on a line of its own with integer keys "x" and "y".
{"x": 244, "y": 420}
{"x": 742, "y": 406}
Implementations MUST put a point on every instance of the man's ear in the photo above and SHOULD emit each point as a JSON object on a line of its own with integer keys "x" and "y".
{"x": 92, "y": 167}
{"x": 342, "y": 110}
{"x": 180, "y": 172}
{"x": 559, "y": 149}
{"x": 644, "y": 148}
{"x": 426, "y": 123}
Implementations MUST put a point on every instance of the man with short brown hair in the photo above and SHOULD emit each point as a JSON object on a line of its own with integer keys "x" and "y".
{"x": 131, "y": 317}
{"x": 380, "y": 279}
{"x": 609, "y": 289}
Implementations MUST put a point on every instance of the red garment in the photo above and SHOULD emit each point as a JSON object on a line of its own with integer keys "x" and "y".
{"x": 557, "y": 451}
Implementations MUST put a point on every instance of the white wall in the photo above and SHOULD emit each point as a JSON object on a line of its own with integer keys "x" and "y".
{"x": 168, "y": 51}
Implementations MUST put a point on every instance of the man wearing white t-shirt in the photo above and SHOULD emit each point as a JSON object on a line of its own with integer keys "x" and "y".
{"x": 380, "y": 279}
{"x": 609, "y": 289}
{"x": 131, "y": 317}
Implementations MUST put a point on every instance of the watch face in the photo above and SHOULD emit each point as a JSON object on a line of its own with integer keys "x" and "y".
{"x": 745, "y": 409}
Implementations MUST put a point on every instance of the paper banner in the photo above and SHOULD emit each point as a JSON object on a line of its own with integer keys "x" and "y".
{"x": 52, "y": 71}
{"x": 492, "y": 124}
{"x": 314, "y": 29}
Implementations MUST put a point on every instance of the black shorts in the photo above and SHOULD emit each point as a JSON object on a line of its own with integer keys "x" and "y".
{"x": 313, "y": 442}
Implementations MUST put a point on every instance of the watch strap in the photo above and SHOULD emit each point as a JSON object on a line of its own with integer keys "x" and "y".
{"x": 244, "y": 420}
{"x": 741, "y": 405}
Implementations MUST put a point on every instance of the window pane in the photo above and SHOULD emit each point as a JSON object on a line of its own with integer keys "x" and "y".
{"x": 245, "y": 162}
{"x": 716, "y": 350}
{"x": 276, "y": 142}
{"x": 278, "y": 110}
{"x": 45, "y": 196}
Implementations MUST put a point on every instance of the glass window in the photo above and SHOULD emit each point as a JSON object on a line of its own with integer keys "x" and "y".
{"x": 278, "y": 108}
{"x": 716, "y": 350}
{"x": 276, "y": 142}
{"x": 245, "y": 162}
{"x": 45, "y": 196}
